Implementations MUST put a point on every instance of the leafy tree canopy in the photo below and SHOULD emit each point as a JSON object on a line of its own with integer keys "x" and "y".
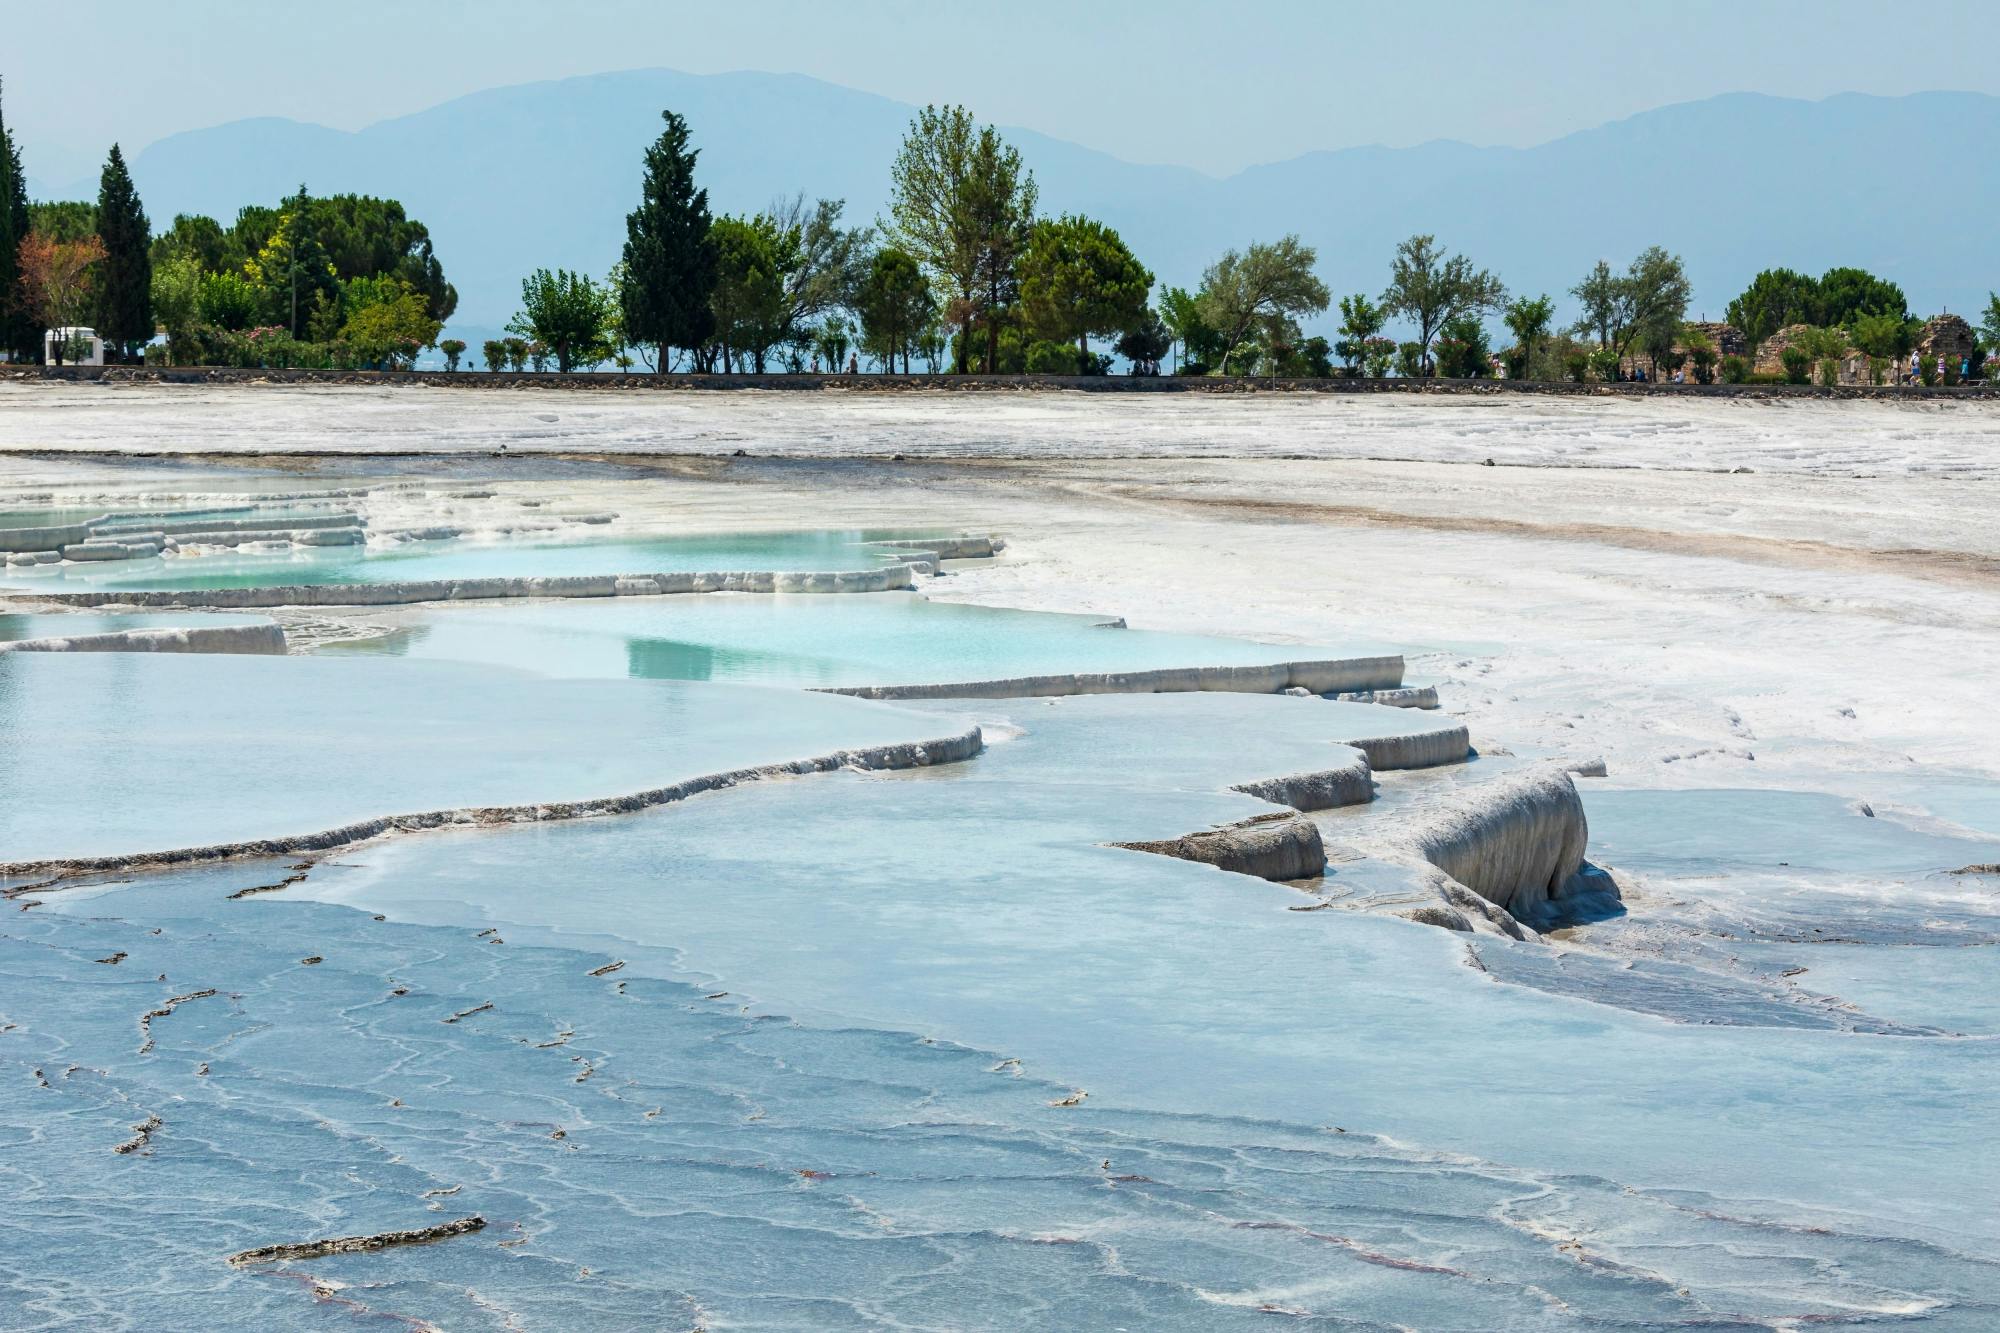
{"x": 1274, "y": 279}
{"x": 1429, "y": 289}
{"x": 566, "y": 313}
{"x": 670, "y": 259}
{"x": 1078, "y": 279}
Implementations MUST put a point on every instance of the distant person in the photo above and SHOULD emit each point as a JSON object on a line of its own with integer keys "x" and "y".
{"x": 815, "y": 363}
{"x": 1916, "y": 368}
{"x": 854, "y": 365}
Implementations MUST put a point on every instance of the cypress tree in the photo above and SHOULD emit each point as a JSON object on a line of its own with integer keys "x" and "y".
{"x": 125, "y": 276}
{"x": 19, "y": 338}
{"x": 669, "y": 255}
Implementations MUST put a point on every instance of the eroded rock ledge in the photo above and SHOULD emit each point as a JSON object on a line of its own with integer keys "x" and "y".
{"x": 913, "y": 754}
{"x": 885, "y": 579}
{"x": 252, "y": 639}
{"x": 1317, "y": 677}
{"x": 1279, "y": 846}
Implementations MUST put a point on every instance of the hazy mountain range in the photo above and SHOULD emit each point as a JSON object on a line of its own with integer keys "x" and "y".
{"x": 543, "y": 173}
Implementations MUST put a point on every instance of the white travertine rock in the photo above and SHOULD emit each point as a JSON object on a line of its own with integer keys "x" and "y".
{"x": 1351, "y": 673}
{"x": 885, "y": 579}
{"x": 1350, "y": 783}
{"x": 1448, "y": 744}
{"x": 260, "y": 639}
{"x": 1517, "y": 841}
{"x": 1410, "y": 696}
{"x": 1282, "y": 846}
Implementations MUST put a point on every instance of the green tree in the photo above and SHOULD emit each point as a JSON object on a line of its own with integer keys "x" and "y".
{"x": 963, "y": 203}
{"x": 1360, "y": 320}
{"x": 1528, "y": 319}
{"x": 1646, "y": 302}
{"x": 1701, "y": 350}
{"x": 494, "y": 352}
{"x": 1181, "y": 313}
{"x": 1429, "y": 289}
{"x": 669, "y": 256}
{"x": 227, "y": 301}
{"x": 1266, "y": 280}
{"x": 389, "y": 321}
{"x": 567, "y": 314}
{"x": 1146, "y": 343}
{"x": 749, "y": 295}
{"x": 177, "y": 303}
{"x": 1775, "y": 298}
{"x": 293, "y": 268}
{"x": 1885, "y": 339}
{"x": 1824, "y": 348}
{"x": 1078, "y": 279}
{"x": 1846, "y": 293}
{"x": 202, "y": 239}
{"x": 895, "y": 303}
{"x": 1989, "y": 324}
{"x": 125, "y": 278}
{"x": 66, "y": 220}
{"x": 831, "y": 340}
{"x": 368, "y": 237}
{"x": 820, "y": 262}
{"x": 1600, "y": 293}
{"x": 1462, "y": 349}
{"x": 19, "y": 336}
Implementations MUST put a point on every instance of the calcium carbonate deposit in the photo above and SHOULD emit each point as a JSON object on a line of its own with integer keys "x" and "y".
{"x": 1214, "y": 861}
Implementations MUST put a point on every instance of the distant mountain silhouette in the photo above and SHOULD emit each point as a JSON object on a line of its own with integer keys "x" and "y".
{"x": 543, "y": 174}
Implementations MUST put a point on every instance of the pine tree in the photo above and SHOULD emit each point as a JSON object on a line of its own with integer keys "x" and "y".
{"x": 125, "y": 278}
{"x": 19, "y": 338}
{"x": 669, "y": 256}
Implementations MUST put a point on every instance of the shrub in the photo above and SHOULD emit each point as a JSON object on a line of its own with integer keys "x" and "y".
{"x": 1410, "y": 360}
{"x": 452, "y": 349}
{"x": 1604, "y": 364}
{"x": 1878, "y": 369}
{"x": 1051, "y": 358}
{"x": 1829, "y": 372}
{"x": 1798, "y": 365}
{"x": 1577, "y": 366}
{"x": 495, "y": 352}
{"x": 1950, "y": 373}
{"x": 1735, "y": 370}
{"x": 1377, "y": 355}
{"x": 1927, "y": 370}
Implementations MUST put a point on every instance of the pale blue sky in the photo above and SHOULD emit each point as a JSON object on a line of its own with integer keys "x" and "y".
{"x": 1214, "y": 85}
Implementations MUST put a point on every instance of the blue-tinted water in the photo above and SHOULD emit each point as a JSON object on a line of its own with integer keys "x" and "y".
{"x": 59, "y": 625}
{"x": 392, "y": 562}
{"x": 881, "y": 639}
{"x": 121, "y": 753}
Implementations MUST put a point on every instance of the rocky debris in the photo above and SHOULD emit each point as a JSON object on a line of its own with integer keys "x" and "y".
{"x": 141, "y": 1141}
{"x": 1410, "y": 696}
{"x": 1949, "y": 338}
{"x": 467, "y": 1013}
{"x": 381, "y": 1240}
{"x": 607, "y": 969}
{"x": 166, "y": 1008}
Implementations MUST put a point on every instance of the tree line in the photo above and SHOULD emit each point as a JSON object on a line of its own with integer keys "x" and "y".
{"x": 342, "y": 281}
{"x": 964, "y": 274}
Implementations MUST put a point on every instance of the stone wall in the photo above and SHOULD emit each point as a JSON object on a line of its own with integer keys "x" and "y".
{"x": 612, "y": 383}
